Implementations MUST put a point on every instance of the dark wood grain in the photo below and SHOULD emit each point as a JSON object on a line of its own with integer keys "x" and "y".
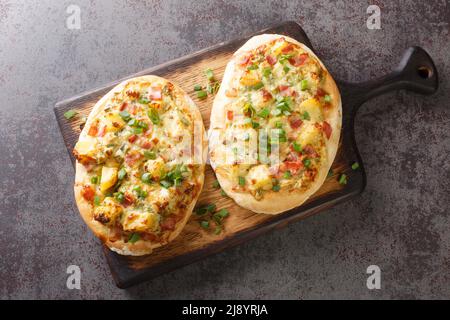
{"x": 194, "y": 243}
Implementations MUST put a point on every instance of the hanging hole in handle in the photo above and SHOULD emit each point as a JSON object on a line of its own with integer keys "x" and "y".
{"x": 424, "y": 72}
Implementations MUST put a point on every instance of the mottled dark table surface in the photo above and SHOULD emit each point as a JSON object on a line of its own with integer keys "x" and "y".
{"x": 400, "y": 223}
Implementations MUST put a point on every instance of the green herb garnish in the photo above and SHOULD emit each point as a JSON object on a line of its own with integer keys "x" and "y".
{"x": 154, "y": 116}
{"x": 241, "y": 181}
{"x": 201, "y": 94}
{"x": 355, "y": 165}
{"x": 343, "y": 179}
{"x": 146, "y": 177}
{"x": 70, "y": 114}
{"x": 121, "y": 174}
{"x": 197, "y": 87}
{"x": 97, "y": 200}
{"x": 134, "y": 237}
{"x": 264, "y": 113}
{"x": 150, "y": 155}
{"x": 94, "y": 180}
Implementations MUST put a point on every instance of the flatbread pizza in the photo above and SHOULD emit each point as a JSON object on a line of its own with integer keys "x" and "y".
{"x": 140, "y": 165}
{"x": 275, "y": 124}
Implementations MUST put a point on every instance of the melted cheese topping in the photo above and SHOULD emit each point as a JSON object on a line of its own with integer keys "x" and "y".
{"x": 278, "y": 103}
{"x": 141, "y": 177}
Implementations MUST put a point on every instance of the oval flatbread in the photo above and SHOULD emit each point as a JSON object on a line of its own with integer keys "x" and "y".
{"x": 275, "y": 125}
{"x": 140, "y": 165}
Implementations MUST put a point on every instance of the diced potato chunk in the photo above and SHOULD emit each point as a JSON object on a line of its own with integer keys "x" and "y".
{"x": 109, "y": 178}
{"x": 155, "y": 167}
{"x": 249, "y": 79}
{"x": 108, "y": 211}
{"x": 85, "y": 151}
{"x": 114, "y": 122}
{"x": 279, "y": 46}
{"x": 309, "y": 134}
{"x": 313, "y": 108}
{"x": 259, "y": 177}
{"x": 140, "y": 221}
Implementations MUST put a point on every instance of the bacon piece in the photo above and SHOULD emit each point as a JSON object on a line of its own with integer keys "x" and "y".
{"x": 326, "y": 129}
{"x": 271, "y": 60}
{"x": 287, "y": 91}
{"x": 244, "y": 60}
{"x": 149, "y": 237}
{"x": 295, "y": 121}
{"x": 88, "y": 193}
{"x": 132, "y": 138}
{"x": 266, "y": 95}
{"x": 132, "y": 109}
{"x": 128, "y": 199}
{"x": 93, "y": 130}
{"x": 146, "y": 144}
{"x": 298, "y": 60}
{"x": 123, "y": 106}
{"x": 168, "y": 224}
{"x": 230, "y": 115}
{"x": 133, "y": 94}
{"x": 288, "y": 48}
{"x": 309, "y": 150}
{"x": 293, "y": 166}
{"x": 311, "y": 174}
{"x": 320, "y": 92}
{"x": 132, "y": 158}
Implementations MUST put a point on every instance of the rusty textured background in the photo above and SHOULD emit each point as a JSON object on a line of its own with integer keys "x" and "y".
{"x": 400, "y": 223}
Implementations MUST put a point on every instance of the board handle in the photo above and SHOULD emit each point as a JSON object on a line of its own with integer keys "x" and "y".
{"x": 416, "y": 72}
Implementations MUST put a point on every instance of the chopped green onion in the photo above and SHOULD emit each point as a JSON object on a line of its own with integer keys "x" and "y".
{"x": 97, "y": 200}
{"x": 267, "y": 72}
{"x": 264, "y": 113}
{"x": 307, "y": 163}
{"x": 121, "y": 174}
{"x": 138, "y": 130}
{"x": 248, "y": 109}
{"x": 132, "y": 122}
{"x": 255, "y": 125}
{"x": 146, "y": 177}
{"x": 209, "y": 74}
{"x": 143, "y": 101}
{"x": 286, "y": 69}
{"x": 197, "y": 87}
{"x": 217, "y": 230}
{"x": 343, "y": 179}
{"x": 305, "y": 116}
{"x": 304, "y": 84}
{"x": 256, "y": 86}
{"x": 223, "y": 193}
{"x": 94, "y": 180}
{"x": 70, "y": 114}
{"x": 125, "y": 115}
{"x": 330, "y": 173}
{"x": 276, "y": 188}
{"x": 202, "y": 94}
{"x": 296, "y": 146}
{"x": 119, "y": 196}
{"x": 134, "y": 237}
{"x": 216, "y": 184}
{"x": 285, "y": 57}
{"x": 166, "y": 183}
{"x": 223, "y": 213}
{"x": 252, "y": 67}
{"x": 279, "y": 125}
{"x": 355, "y": 166}
{"x": 204, "y": 224}
{"x": 327, "y": 98}
{"x": 241, "y": 181}
{"x": 154, "y": 116}
{"x": 150, "y": 155}
{"x": 287, "y": 175}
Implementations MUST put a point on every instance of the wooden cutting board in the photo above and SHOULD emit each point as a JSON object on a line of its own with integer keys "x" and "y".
{"x": 194, "y": 243}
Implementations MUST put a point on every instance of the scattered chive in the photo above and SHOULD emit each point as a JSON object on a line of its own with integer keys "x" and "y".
{"x": 119, "y": 196}
{"x": 223, "y": 213}
{"x": 343, "y": 179}
{"x": 307, "y": 163}
{"x": 121, "y": 174}
{"x": 327, "y": 98}
{"x": 201, "y": 94}
{"x": 256, "y": 86}
{"x": 146, "y": 177}
{"x": 125, "y": 115}
{"x": 241, "y": 181}
{"x": 279, "y": 125}
{"x": 355, "y": 166}
{"x": 287, "y": 175}
{"x": 276, "y": 188}
{"x": 286, "y": 69}
{"x": 305, "y": 116}
{"x": 166, "y": 183}
{"x": 97, "y": 200}
{"x": 154, "y": 116}
{"x": 264, "y": 113}
{"x": 94, "y": 180}
{"x": 209, "y": 74}
{"x": 304, "y": 84}
{"x": 197, "y": 87}
{"x": 70, "y": 114}
{"x": 255, "y": 125}
{"x": 267, "y": 72}
{"x": 204, "y": 224}
{"x": 134, "y": 237}
{"x": 138, "y": 130}
{"x": 217, "y": 230}
{"x": 252, "y": 67}
{"x": 143, "y": 101}
{"x": 150, "y": 155}
{"x": 296, "y": 146}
